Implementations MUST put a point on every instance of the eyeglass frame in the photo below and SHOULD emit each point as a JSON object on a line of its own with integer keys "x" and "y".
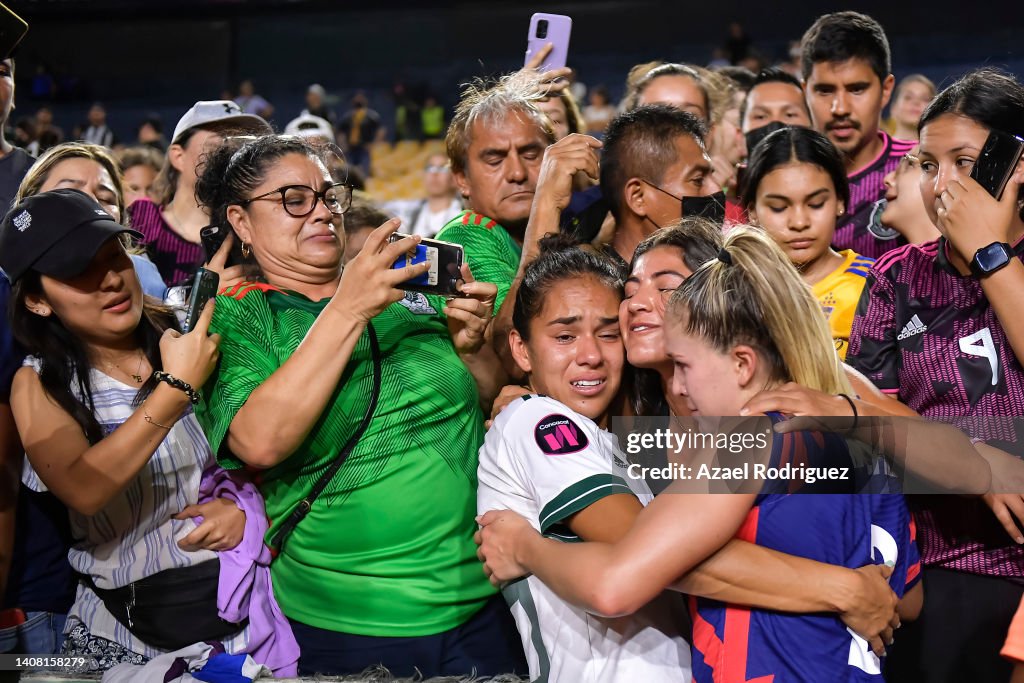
{"x": 317, "y": 197}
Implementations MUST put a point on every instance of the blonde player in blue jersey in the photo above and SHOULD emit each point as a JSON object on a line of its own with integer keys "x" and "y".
{"x": 795, "y": 188}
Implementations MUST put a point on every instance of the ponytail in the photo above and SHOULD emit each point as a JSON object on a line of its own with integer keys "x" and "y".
{"x": 752, "y": 295}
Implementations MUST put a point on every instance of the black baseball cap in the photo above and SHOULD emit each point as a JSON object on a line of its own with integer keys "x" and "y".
{"x": 56, "y": 233}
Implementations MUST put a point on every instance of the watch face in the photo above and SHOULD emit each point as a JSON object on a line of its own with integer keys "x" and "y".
{"x": 992, "y": 257}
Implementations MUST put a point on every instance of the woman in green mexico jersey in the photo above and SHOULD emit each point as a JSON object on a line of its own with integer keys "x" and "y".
{"x": 383, "y": 569}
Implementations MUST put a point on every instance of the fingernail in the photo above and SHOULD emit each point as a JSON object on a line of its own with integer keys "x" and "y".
{"x": 744, "y": 411}
{"x": 890, "y": 563}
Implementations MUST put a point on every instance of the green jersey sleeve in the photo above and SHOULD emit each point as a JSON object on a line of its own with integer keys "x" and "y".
{"x": 493, "y": 256}
{"x": 247, "y": 359}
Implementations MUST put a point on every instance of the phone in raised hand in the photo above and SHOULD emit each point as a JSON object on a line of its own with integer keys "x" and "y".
{"x": 549, "y": 28}
{"x": 445, "y": 259}
{"x": 997, "y": 161}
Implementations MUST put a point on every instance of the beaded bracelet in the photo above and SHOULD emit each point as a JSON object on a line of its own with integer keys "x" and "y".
{"x": 181, "y": 385}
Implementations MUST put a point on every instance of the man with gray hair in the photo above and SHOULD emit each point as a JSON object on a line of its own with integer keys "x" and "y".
{"x": 495, "y": 144}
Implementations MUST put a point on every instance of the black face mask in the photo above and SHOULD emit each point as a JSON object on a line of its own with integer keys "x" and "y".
{"x": 711, "y": 207}
{"x": 757, "y": 135}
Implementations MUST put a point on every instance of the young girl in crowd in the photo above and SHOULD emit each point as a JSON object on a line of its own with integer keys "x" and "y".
{"x": 903, "y": 208}
{"x": 41, "y": 579}
{"x": 102, "y": 411}
{"x": 171, "y": 225}
{"x": 940, "y": 329}
{"x": 795, "y": 188}
{"x": 741, "y": 323}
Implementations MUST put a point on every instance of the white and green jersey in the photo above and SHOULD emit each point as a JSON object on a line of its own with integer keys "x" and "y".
{"x": 547, "y": 462}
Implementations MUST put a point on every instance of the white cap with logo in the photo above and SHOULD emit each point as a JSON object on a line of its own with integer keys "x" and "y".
{"x": 217, "y": 111}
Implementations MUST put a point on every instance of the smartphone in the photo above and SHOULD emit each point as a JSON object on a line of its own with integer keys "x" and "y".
{"x": 204, "y": 288}
{"x": 212, "y": 237}
{"x": 997, "y": 161}
{"x": 549, "y": 28}
{"x": 445, "y": 261}
{"x": 12, "y": 29}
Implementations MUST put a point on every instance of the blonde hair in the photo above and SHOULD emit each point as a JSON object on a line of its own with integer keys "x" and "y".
{"x": 517, "y": 92}
{"x": 756, "y": 297}
{"x": 642, "y": 75}
{"x": 33, "y": 181}
{"x": 721, "y": 91}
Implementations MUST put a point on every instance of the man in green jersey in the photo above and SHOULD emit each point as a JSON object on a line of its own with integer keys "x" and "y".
{"x": 495, "y": 145}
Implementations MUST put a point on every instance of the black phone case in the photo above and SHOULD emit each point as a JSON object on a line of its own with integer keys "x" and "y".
{"x": 997, "y": 161}
{"x": 445, "y": 272}
{"x": 204, "y": 289}
{"x": 211, "y": 237}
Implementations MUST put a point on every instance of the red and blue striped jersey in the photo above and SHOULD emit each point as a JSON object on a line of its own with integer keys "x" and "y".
{"x": 734, "y": 644}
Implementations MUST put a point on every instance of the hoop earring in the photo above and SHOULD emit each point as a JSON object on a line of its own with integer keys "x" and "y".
{"x": 246, "y": 250}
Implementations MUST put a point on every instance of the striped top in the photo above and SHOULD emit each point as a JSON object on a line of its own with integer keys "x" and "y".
{"x": 929, "y": 336}
{"x": 134, "y": 536}
{"x": 175, "y": 257}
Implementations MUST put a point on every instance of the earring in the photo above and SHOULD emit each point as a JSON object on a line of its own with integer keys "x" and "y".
{"x": 44, "y": 312}
{"x": 246, "y": 250}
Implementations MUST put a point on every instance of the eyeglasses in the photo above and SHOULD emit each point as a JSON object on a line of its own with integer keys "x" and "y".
{"x": 300, "y": 200}
{"x": 436, "y": 169}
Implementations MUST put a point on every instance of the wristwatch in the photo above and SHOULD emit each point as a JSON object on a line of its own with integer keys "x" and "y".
{"x": 988, "y": 260}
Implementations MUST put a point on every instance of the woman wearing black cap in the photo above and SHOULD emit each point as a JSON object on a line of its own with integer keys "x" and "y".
{"x": 102, "y": 408}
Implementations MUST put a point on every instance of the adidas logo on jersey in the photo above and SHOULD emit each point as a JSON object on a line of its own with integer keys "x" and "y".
{"x": 915, "y": 326}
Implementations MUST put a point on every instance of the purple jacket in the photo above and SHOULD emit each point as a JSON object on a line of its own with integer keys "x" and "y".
{"x": 244, "y": 590}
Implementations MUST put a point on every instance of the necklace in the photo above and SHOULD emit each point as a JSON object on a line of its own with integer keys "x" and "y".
{"x": 137, "y": 375}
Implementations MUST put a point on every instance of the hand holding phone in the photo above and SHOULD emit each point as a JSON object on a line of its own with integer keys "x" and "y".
{"x": 544, "y": 29}
{"x": 445, "y": 259}
{"x": 204, "y": 288}
{"x": 997, "y": 161}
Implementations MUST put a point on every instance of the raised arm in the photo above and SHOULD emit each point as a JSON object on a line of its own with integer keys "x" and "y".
{"x": 86, "y": 477}
{"x": 562, "y": 161}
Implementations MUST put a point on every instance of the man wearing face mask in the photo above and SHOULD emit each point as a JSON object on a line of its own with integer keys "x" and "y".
{"x": 654, "y": 170}
{"x": 774, "y": 101}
